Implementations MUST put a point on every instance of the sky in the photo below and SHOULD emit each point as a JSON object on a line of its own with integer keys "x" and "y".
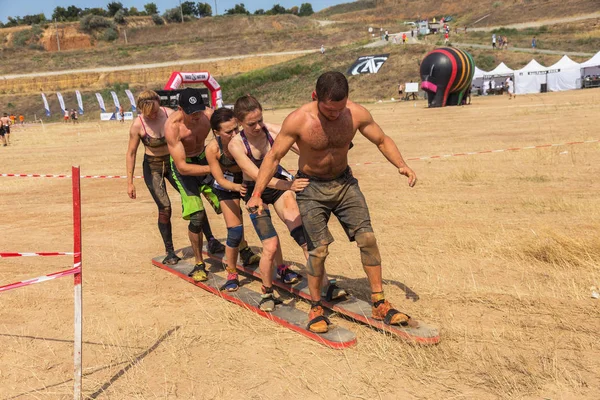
{"x": 15, "y": 8}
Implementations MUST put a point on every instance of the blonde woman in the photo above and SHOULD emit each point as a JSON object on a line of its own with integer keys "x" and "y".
{"x": 148, "y": 129}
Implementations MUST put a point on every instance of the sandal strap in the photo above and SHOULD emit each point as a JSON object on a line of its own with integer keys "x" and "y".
{"x": 329, "y": 295}
{"x": 230, "y": 282}
{"x": 274, "y": 299}
{"x": 388, "y": 317}
{"x": 318, "y": 319}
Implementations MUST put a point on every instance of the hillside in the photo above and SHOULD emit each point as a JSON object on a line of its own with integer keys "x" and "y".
{"x": 464, "y": 12}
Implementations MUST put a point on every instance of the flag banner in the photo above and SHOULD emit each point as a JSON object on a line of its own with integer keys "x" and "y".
{"x": 61, "y": 101}
{"x": 46, "y": 106}
{"x": 101, "y": 102}
{"x": 116, "y": 100}
{"x": 368, "y": 64}
{"x": 79, "y": 102}
{"x": 131, "y": 99}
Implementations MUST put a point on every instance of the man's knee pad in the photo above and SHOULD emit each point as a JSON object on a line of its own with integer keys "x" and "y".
{"x": 298, "y": 234}
{"x": 196, "y": 221}
{"x": 234, "y": 236}
{"x": 316, "y": 260}
{"x": 369, "y": 252}
{"x": 164, "y": 215}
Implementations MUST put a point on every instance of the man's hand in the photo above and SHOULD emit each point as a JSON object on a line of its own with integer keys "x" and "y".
{"x": 255, "y": 205}
{"x": 131, "y": 190}
{"x": 410, "y": 174}
{"x": 299, "y": 184}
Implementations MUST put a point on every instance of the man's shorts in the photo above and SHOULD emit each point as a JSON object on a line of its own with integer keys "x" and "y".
{"x": 340, "y": 196}
{"x": 2, "y": 131}
{"x": 190, "y": 188}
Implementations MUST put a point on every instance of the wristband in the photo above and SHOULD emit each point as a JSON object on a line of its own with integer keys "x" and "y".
{"x": 256, "y": 194}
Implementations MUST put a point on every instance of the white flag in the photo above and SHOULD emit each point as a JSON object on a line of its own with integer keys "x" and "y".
{"x": 116, "y": 100}
{"x": 61, "y": 101}
{"x": 46, "y": 106}
{"x": 101, "y": 102}
{"x": 79, "y": 101}
{"x": 131, "y": 99}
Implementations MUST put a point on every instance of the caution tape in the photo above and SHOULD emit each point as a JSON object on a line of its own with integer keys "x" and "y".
{"x": 75, "y": 270}
{"x": 40, "y": 254}
{"x": 68, "y": 176}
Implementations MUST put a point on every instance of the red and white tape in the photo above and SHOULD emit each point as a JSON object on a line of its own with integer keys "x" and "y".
{"x": 75, "y": 270}
{"x": 68, "y": 176}
{"x": 39, "y": 254}
{"x": 470, "y": 153}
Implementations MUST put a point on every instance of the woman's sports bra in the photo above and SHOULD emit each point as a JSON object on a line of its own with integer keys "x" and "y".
{"x": 151, "y": 141}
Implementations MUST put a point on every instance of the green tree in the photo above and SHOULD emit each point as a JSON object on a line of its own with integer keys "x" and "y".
{"x": 95, "y": 11}
{"x": 305, "y": 10}
{"x": 237, "y": 9}
{"x": 113, "y": 7}
{"x": 189, "y": 8}
{"x": 277, "y": 9}
{"x": 133, "y": 11}
{"x": 204, "y": 10}
{"x": 293, "y": 10}
{"x": 34, "y": 19}
{"x": 151, "y": 8}
{"x": 260, "y": 11}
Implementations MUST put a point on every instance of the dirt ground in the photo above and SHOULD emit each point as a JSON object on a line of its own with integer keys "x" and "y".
{"x": 499, "y": 250}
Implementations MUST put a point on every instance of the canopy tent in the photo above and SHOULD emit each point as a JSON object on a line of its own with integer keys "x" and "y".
{"x": 477, "y": 82}
{"x": 530, "y": 78}
{"x": 567, "y": 75}
{"x": 500, "y": 71}
{"x": 591, "y": 66}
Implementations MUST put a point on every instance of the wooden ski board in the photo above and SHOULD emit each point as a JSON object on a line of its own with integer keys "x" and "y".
{"x": 285, "y": 315}
{"x": 353, "y": 308}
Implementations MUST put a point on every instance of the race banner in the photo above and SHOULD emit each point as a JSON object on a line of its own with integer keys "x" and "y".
{"x": 101, "y": 102}
{"x": 46, "y": 106}
{"x": 131, "y": 99}
{"x": 368, "y": 64}
{"x": 116, "y": 100}
{"x": 79, "y": 102}
{"x": 61, "y": 101}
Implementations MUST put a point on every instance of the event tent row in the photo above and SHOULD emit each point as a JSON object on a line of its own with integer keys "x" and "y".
{"x": 566, "y": 74}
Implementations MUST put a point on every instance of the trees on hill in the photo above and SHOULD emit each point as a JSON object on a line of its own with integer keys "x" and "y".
{"x": 116, "y": 10}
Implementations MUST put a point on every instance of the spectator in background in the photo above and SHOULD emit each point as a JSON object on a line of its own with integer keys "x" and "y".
{"x": 505, "y": 41}
{"x": 493, "y": 41}
{"x": 122, "y": 113}
{"x": 66, "y": 116}
{"x": 22, "y": 119}
{"x": 534, "y": 43}
{"x": 446, "y": 38}
{"x": 322, "y": 49}
{"x": 404, "y": 38}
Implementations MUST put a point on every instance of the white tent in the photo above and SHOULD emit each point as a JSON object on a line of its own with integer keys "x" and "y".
{"x": 500, "y": 71}
{"x": 477, "y": 82}
{"x": 530, "y": 78}
{"x": 591, "y": 66}
{"x": 564, "y": 75}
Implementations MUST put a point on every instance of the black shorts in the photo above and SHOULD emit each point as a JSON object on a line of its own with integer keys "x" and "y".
{"x": 340, "y": 196}
{"x": 269, "y": 196}
{"x": 224, "y": 194}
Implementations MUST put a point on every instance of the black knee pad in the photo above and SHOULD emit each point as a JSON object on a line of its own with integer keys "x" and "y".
{"x": 196, "y": 221}
{"x": 316, "y": 260}
{"x": 369, "y": 252}
{"x": 235, "y": 236}
{"x": 298, "y": 234}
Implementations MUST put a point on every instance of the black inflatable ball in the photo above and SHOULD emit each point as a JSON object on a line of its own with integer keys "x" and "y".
{"x": 446, "y": 75}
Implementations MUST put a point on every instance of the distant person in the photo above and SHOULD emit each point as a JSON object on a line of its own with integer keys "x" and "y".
{"x": 122, "y": 113}
{"x": 66, "y": 116}
{"x": 412, "y": 33}
{"x": 500, "y": 42}
{"x": 493, "y": 41}
{"x": 446, "y": 38}
{"x": 21, "y": 119}
{"x": 534, "y": 43}
{"x": 5, "y": 129}
{"x": 322, "y": 49}
{"x": 13, "y": 118}
{"x": 404, "y": 38}
{"x": 400, "y": 89}
{"x": 74, "y": 116}
{"x": 505, "y": 41}
{"x": 510, "y": 88}
{"x": 465, "y": 29}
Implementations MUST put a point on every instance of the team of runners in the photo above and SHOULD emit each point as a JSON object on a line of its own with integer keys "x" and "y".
{"x": 242, "y": 163}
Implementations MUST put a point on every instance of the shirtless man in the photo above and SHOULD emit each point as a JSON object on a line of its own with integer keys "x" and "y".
{"x": 186, "y": 131}
{"x": 323, "y": 131}
{"x": 5, "y": 129}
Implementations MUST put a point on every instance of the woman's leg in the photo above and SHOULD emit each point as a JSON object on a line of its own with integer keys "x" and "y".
{"x": 235, "y": 231}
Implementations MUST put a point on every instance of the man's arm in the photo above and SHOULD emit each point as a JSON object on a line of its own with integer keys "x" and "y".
{"x": 283, "y": 142}
{"x": 372, "y": 131}
{"x": 177, "y": 152}
{"x": 274, "y": 131}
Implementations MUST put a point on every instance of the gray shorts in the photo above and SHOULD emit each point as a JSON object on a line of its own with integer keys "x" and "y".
{"x": 340, "y": 196}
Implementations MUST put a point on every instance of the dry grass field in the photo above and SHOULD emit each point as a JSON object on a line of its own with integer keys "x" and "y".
{"x": 499, "y": 250}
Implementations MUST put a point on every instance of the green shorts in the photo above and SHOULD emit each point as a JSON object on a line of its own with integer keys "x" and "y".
{"x": 190, "y": 188}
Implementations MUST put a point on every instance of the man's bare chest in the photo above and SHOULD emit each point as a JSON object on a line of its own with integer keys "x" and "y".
{"x": 331, "y": 135}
